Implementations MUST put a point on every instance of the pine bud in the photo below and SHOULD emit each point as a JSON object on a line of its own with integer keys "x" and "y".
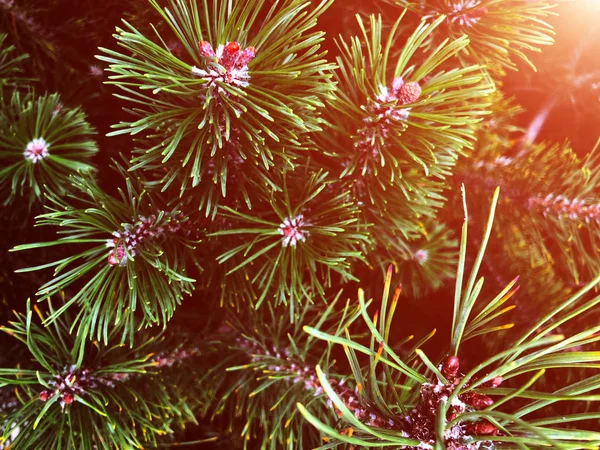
{"x": 452, "y": 413}
{"x": 44, "y": 396}
{"x": 482, "y": 428}
{"x": 477, "y": 401}
{"x": 479, "y": 13}
{"x": 112, "y": 259}
{"x": 206, "y": 49}
{"x": 450, "y": 367}
{"x": 245, "y": 57}
{"x": 397, "y": 84}
{"x": 230, "y": 55}
{"x": 421, "y": 256}
{"x": 67, "y": 398}
{"x": 409, "y": 93}
{"x": 493, "y": 383}
{"x": 117, "y": 254}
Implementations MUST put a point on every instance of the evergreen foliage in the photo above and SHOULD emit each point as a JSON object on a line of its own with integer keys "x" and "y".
{"x": 425, "y": 262}
{"x": 78, "y": 395}
{"x": 270, "y": 366}
{"x": 398, "y": 126}
{"x": 498, "y": 30}
{"x": 43, "y": 143}
{"x": 256, "y": 65}
{"x": 270, "y": 170}
{"x": 292, "y": 256}
{"x": 552, "y": 197}
{"x": 10, "y": 65}
{"x": 438, "y": 405}
{"x": 122, "y": 262}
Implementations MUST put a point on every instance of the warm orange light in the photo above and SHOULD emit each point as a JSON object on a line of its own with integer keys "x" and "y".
{"x": 588, "y": 6}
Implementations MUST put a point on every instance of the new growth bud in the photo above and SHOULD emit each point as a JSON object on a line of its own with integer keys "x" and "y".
{"x": 409, "y": 93}
{"x": 450, "y": 367}
{"x": 477, "y": 401}
{"x": 206, "y": 49}
{"x": 68, "y": 398}
{"x": 493, "y": 383}
{"x": 230, "y": 55}
{"x": 482, "y": 428}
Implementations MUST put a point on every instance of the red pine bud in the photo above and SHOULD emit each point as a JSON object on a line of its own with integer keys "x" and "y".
{"x": 68, "y": 398}
{"x": 452, "y": 413}
{"x": 206, "y": 49}
{"x": 409, "y": 93}
{"x": 477, "y": 401}
{"x": 421, "y": 256}
{"x": 397, "y": 85}
{"x": 450, "y": 367}
{"x": 120, "y": 252}
{"x": 230, "y": 55}
{"x": 245, "y": 57}
{"x": 112, "y": 259}
{"x": 482, "y": 428}
{"x": 494, "y": 382}
{"x": 479, "y": 13}
{"x": 44, "y": 396}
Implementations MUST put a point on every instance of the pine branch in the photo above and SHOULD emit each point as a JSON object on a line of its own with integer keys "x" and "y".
{"x": 295, "y": 239}
{"x": 499, "y": 31}
{"x": 81, "y": 395}
{"x": 423, "y": 262}
{"x": 397, "y": 127}
{"x": 550, "y": 202}
{"x": 123, "y": 265}
{"x": 43, "y": 143}
{"x": 248, "y": 87}
{"x": 11, "y": 71}
{"x": 452, "y": 410}
{"x": 271, "y": 365}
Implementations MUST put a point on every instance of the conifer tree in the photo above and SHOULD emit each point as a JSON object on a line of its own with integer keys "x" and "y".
{"x": 205, "y": 215}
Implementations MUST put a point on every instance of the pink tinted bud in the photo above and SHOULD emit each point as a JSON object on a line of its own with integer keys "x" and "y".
{"x": 494, "y": 382}
{"x": 245, "y": 57}
{"x": 231, "y": 53}
{"x": 206, "y": 49}
{"x": 117, "y": 254}
{"x": 409, "y": 93}
{"x": 120, "y": 252}
{"x": 477, "y": 401}
{"x": 68, "y": 398}
{"x": 479, "y": 12}
{"x": 450, "y": 367}
{"x": 421, "y": 256}
{"x": 452, "y": 413}
{"x": 44, "y": 396}
{"x": 112, "y": 259}
{"x": 397, "y": 85}
{"x": 482, "y": 428}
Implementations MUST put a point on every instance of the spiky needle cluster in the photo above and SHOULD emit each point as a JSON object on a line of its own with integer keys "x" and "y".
{"x": 302, "y": 169}
{"x": 150, "y": 243}
{"x": 42, "y": 143}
